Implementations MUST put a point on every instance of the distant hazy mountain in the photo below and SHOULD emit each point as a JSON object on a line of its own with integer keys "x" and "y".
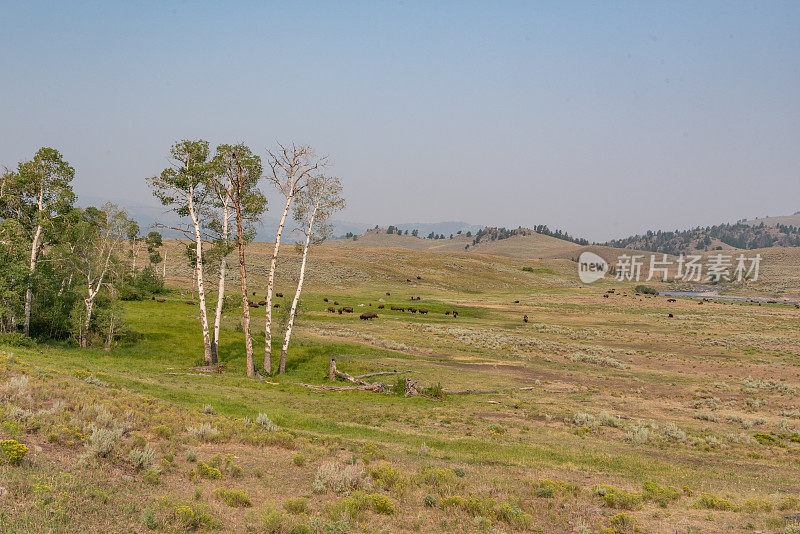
{"x": 147, "y": 215}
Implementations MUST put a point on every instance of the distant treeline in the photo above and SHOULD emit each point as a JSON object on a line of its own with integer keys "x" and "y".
{"x": 494, "y": 234}
{"x": 737, "y": 235}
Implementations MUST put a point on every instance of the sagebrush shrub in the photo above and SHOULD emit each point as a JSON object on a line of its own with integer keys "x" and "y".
{"x": 102, "y": 441}
{"x": 266, "y": 423}
{"x": 339, "y": 479}
{"x": 141, "y": 458}
{"x": 204, "y": 432}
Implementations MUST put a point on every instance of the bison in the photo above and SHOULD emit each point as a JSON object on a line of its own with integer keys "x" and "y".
{"x": 381, "y": 306}
{"x": 276, "y": 306}
{"x": 670, "y": 315}
{"x": 279, "y": 295}
{"x": 423, "y": 311}
{"x": 262, "y": 302}
{"x": 325, "y": 299}
{"x": 332, "y": 309}
{"x": 412, "y": 310}
{"x": 671, "y": 300}
{"x": 190, "y": 302}
{"x": 368, "y": 315}
{"x": 335, "y": 303}
{"x": 347, "y": 309}
{"x": 161, "y": 300}
{"x": 388, "y": 294}
{"x": 524, "y": 318}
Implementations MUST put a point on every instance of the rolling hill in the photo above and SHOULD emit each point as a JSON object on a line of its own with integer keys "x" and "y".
{"x": 530, "y": 245}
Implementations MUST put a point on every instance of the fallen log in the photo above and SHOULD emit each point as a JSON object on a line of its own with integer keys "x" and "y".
{"x": 377, "y": 386}
{"x": 219, "y": 368}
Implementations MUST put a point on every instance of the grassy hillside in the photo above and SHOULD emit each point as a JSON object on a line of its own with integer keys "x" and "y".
{"x": 628, "y": 418}
{"x": 786, "y": 220}
{"x": 532, "y": 245}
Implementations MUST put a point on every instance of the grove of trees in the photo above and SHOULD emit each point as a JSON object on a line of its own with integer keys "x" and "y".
{"x": 64, "y": 269}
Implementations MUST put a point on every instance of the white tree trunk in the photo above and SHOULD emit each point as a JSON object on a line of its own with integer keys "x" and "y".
{"x": 133, "y": 255}
{"x": 270, "y": 286}
{"x": 220, "y": 291}
{"x": 29, "y": 291}
{"x": 164, "y": 270}
{"x": 201, "y": 295}
{"x": 293, "y": 310}
{"x": 89, "y": 302}
{"x": 248, "y": 338}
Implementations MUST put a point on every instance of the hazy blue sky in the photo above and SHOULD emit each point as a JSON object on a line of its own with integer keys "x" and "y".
{"x": 603, "y": 119}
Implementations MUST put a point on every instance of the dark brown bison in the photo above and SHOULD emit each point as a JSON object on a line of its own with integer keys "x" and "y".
{"x": 190, "y": 302}
{"x": 279, "y": 295}
{"x": 325, "y": 299}
{"x": 412, "y": 310}
{"x": 347, "y": 309}
{"x": 368, "y": 315}
{"x": 161, "y": 300}
{"x": 335, "y": 303}
{"x": 277, "y": 306}
{"x": 340, "y": 311}
{"x": 419, "y": 278}
{"x": 671, "y": 315}
{"x": 423, "y": 311}
{"x": 455, "y": 313}
{"x": 671, "y": 300}
{"x": 524, "y": 318}
{"x": 332, "y": 309}
{"x": 516, "y": 302}
{"x": 152, "y": 298}
{"x": 381, "y": 306}
{"x": 447, "y": 312}
{"x": 605, "y": 296}
{"x": 388, "y": 294}
{"x": 262, "y": 302}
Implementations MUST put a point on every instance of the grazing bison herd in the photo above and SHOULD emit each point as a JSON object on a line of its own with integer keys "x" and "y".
{"x": 372, "y": 315}
{"x": 423, "y": 311}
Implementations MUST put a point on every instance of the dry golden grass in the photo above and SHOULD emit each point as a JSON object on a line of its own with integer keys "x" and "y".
{"x": 621, "y": 395}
